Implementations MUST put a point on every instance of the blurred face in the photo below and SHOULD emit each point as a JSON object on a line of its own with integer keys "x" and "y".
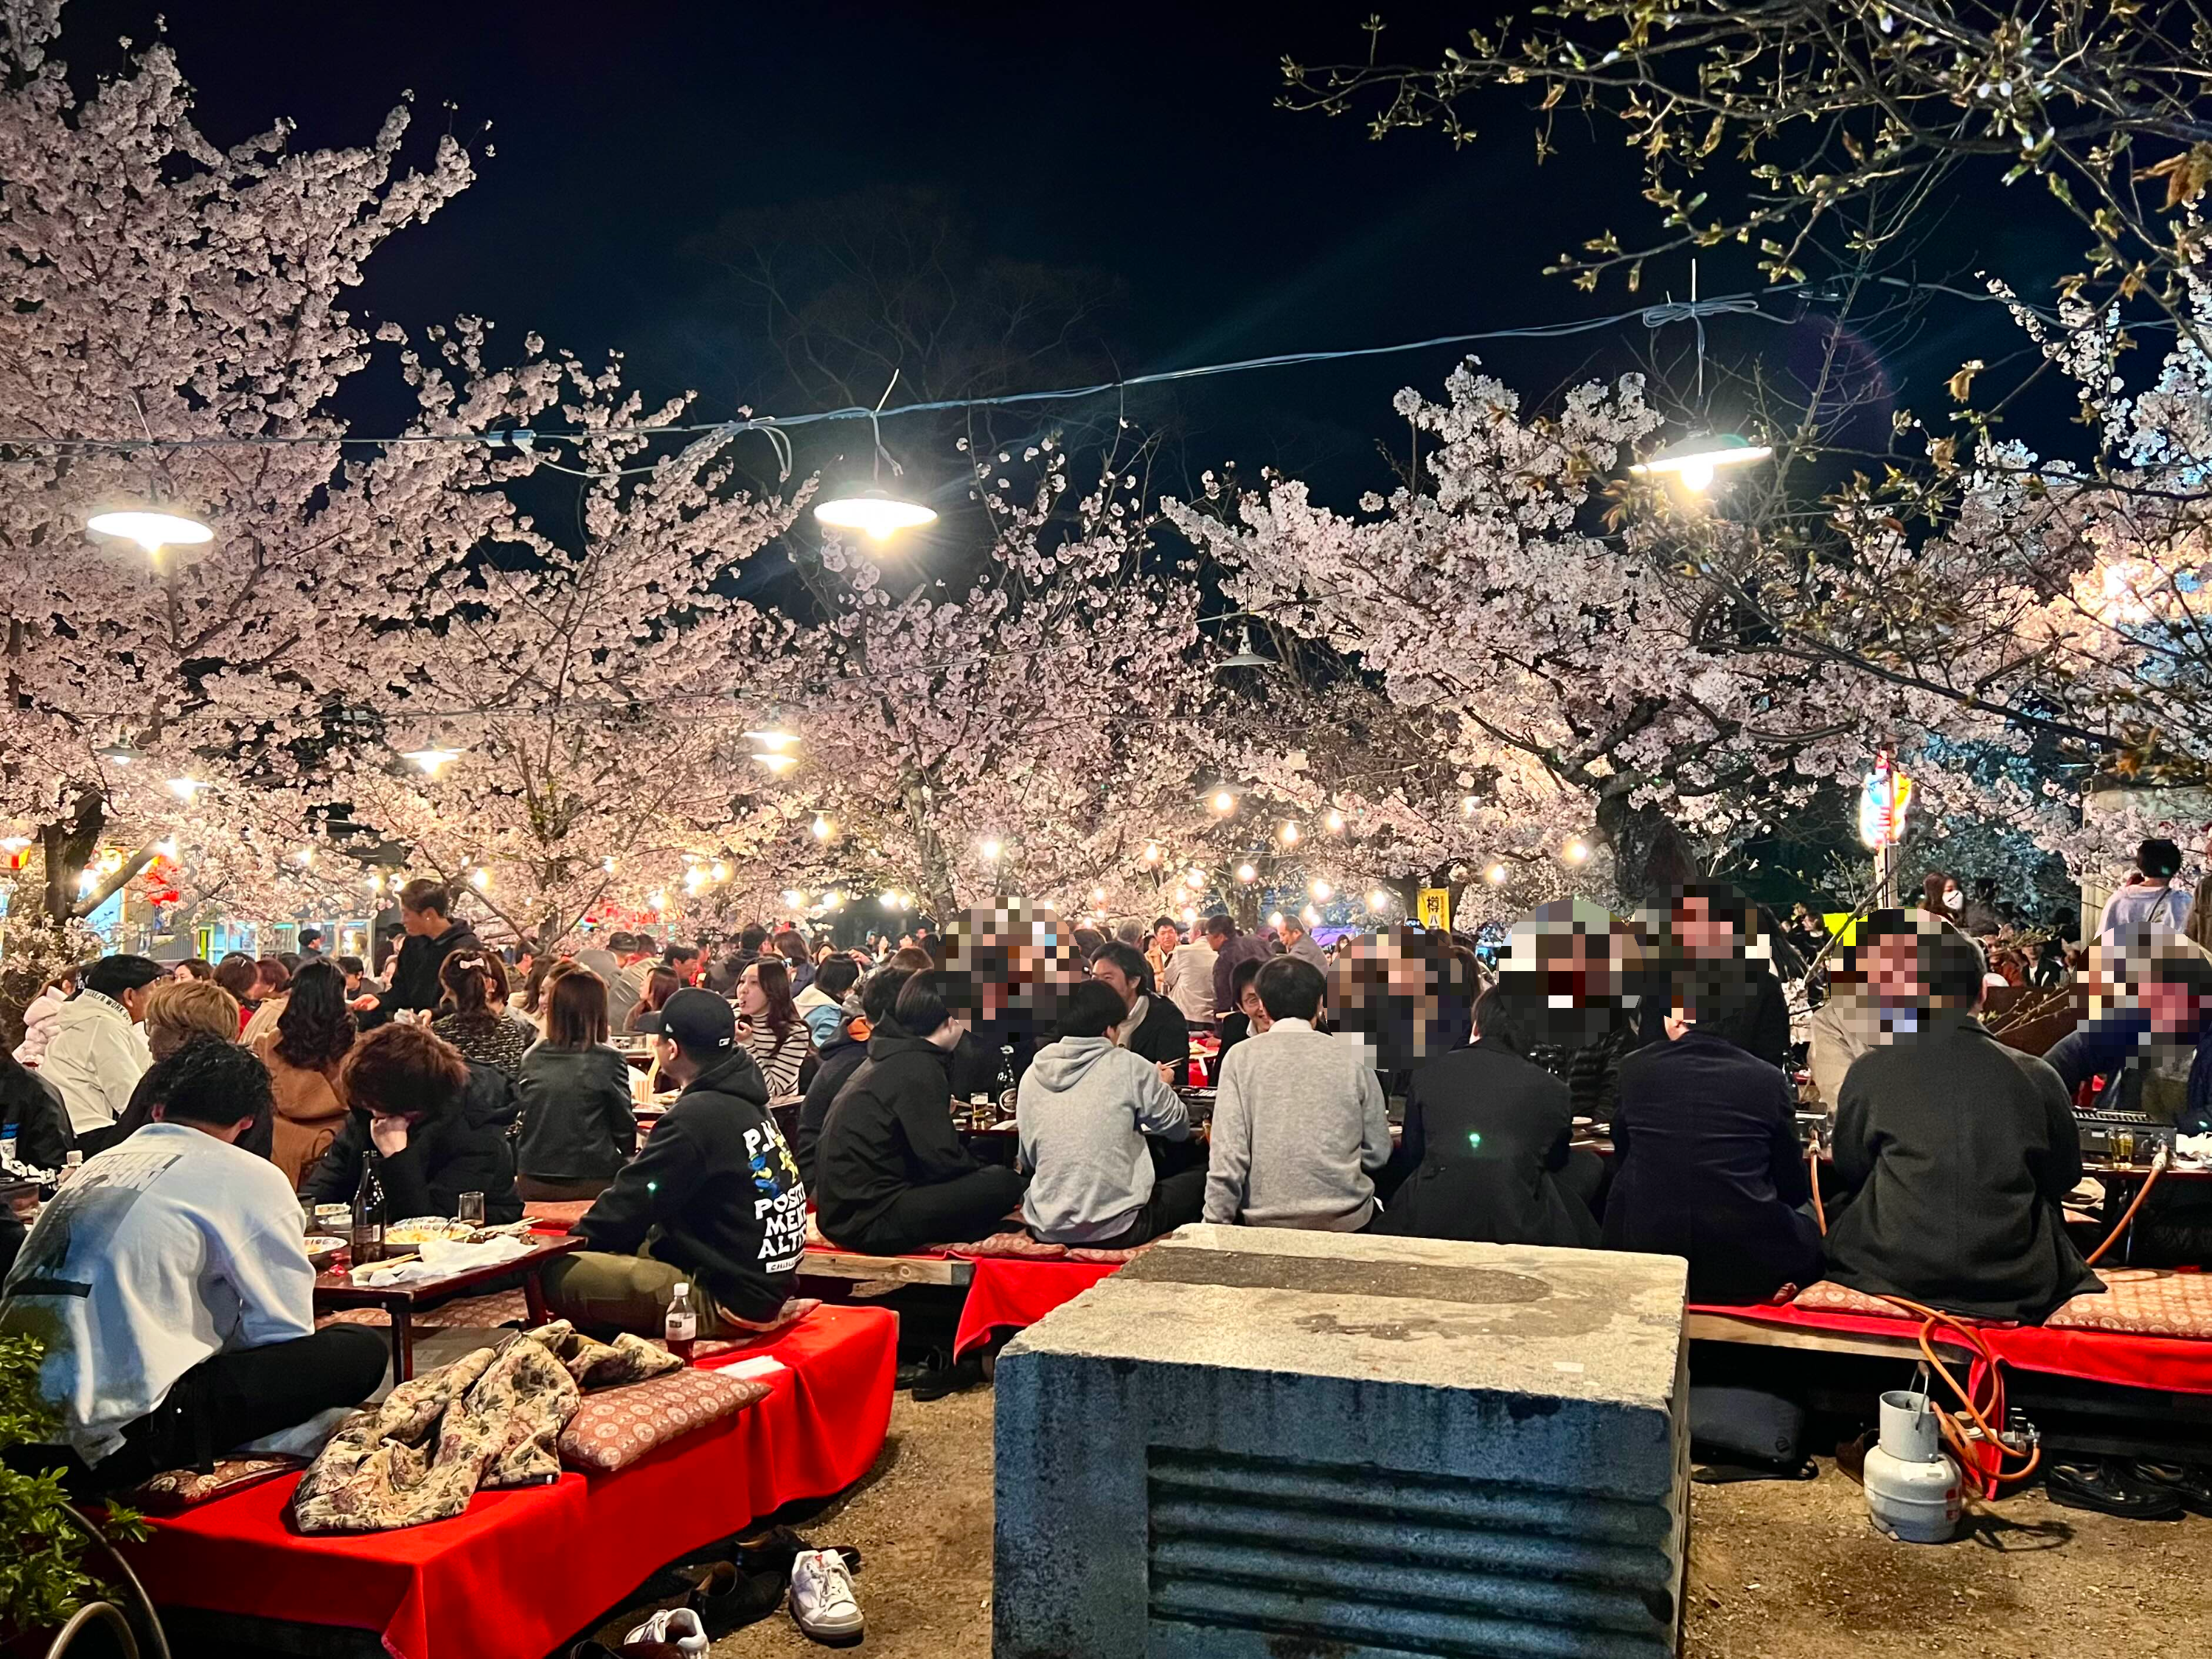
{"x": 752, "y": 1001}
{"x": 2174, "y": 1009}
{"x": 1892, "y": 969}
{"x": 1115, "y": 980}
{"x": 1701, "y": 932}
{"x": 135, "y": 1002}
{"x": 180, "y": 972}
{"x": 1167, "y": 938}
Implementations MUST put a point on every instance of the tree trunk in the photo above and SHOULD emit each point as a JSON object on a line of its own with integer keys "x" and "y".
{"x": 68, "y": 847}
{"x": 1651, "y": 857}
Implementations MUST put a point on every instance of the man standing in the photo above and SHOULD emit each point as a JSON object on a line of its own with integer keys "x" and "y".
{"x": 172, "y": 1290}
{"x": 1297, "y": 942}
{"x": 311, "y": 943}
{"x": 712, "y": 1199}
{"x": 426, "y": 916}
{"x": 626, "y": 987}
{"x": 1167, "y": 939}
{"x": 1327, "y": 1130}
{"x": 1230, "y": 947}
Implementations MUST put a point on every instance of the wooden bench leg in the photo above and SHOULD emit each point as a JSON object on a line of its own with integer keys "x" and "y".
{"x": 533, "y": 1299}
{"x": 403, "y": 1347}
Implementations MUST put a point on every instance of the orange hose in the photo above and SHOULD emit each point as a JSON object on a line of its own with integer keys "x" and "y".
{"x": 1991, "y": 1475}
{"x": 1813, "y": 1175}
{"x": 2157, "y": 1169}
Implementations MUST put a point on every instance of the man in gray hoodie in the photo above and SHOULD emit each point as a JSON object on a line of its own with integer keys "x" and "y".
{"x": 1300, "y": 1127}
{"x": 1082, "y": 1111}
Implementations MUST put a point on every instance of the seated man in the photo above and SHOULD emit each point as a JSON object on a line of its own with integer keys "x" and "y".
{"x": 169, "y": 1285}
{"x": 1956, "y": 1152}
{"x": 1486, "y": 1155}
{"x": 712, "y": 1199}
{"x": 434, "y": 1123}
{"x": 1086, "y": 1105}
{"x": 891, "y": 1174}
{"x": 1706, "y": 1162}
{"x": 1300, "y": 1127}
{"x": 1152, "y": 1027}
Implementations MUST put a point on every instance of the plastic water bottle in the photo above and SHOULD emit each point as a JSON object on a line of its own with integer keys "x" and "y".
{"x": 70, "y": 1165}
{"x": 681, "y": 1328}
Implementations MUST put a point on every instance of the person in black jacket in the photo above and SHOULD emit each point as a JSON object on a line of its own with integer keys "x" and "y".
{"x": 435, "y": 1125}
{"x": 573, "y": 1095}
{"x": 1956, "y": 1153}
{"x": 1707, "y": 1165}
{"x": 32, "y": 1115}
{"x": 713, "y": 1200}
{"x": 891, "y": 1175}
{"x": 1711, "y": 936}
{"x": 1156, "y": 1029}
{"x": 1486, "y": 1143}
{"x": 843, "y": 1056}
{"x": 426, "y": 915}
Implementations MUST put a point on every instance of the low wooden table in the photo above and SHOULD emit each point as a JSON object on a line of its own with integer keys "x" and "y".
{"x": 400, "y": 1302}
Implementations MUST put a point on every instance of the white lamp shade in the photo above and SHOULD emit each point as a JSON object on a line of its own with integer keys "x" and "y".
{"x": 873, "y": 514}
{"x": 151, "y": 528}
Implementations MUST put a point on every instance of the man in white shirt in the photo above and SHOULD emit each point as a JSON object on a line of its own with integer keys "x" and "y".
{"x": 2151, "y": 902}
{"x": 1188, "y": 981}
{"x": 169, "y": 1286}
{"x": 1300, "y": 1127}
{"x": 99, "y": 1052}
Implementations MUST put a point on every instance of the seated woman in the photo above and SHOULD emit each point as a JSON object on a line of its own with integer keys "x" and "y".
{"x": 304, "y": 1054}
{"x": 1486, "y": 1146}
{"x": 170, "y": 1285}
{"x": 579, "y": 1127}
{"x": 179, "y": 1013}
{"x": 771, "y": 1029}
{"x": 433, "y": 1136}
{"x": 1707, "y": 1165}
{"x": 466, "y": 1017}
{"x": 661, "y": 984}
{"x": 891, "y": 1175}
{"x": 1956, "y": 1152}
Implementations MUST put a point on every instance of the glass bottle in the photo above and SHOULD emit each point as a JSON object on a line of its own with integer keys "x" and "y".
{"x": 368, "y": 1215}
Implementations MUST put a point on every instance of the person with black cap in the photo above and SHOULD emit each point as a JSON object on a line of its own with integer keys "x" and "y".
{"x": 713, "y": 1200}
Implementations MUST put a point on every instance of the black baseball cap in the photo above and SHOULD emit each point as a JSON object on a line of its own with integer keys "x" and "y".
{"x": 699, "y": 1021}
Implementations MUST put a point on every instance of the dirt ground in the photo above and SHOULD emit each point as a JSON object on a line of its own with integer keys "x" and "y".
{"x": 1778, "y": 1571}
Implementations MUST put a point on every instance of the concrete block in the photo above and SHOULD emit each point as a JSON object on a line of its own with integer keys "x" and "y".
{"x": 1254, "y": 1443}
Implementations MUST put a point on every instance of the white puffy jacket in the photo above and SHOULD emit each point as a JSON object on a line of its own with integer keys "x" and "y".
{"x": 39, "y": 1026}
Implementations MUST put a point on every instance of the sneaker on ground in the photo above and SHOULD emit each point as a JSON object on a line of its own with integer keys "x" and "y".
{"x": 671, "y": 1631}
{"x": 823, "y": 1604}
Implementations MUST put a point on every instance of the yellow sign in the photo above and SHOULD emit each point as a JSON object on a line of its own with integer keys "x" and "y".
{"x": 1436, "y": 908}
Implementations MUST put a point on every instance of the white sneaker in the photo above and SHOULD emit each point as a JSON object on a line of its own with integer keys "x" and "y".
{"x": 676, "y": 1627}
{"x": 823, "y": 1604}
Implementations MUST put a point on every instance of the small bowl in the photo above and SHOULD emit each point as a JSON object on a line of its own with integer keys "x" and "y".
{"x": 322, "y": 1251}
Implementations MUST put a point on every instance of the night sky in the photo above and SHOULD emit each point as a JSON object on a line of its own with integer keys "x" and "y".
{"x": 1140, "y": 144}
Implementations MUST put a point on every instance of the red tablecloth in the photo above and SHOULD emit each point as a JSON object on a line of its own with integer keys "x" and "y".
{"x": 523, "y": 1570}
{"x": 1009, "y": 1292}
{"x": 2175, "y": 1364}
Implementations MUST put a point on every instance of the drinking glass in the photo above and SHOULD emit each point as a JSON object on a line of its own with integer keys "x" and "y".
{"x": 472, "y": 1209}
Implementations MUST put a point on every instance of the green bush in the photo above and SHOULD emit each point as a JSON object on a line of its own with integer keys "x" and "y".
{"x": 43, "y": 1544}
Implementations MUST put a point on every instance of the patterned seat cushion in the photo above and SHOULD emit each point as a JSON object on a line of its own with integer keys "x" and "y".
{"x": 615, "y": 1427}
{"x": 2142, "y": 1301}
{"x": 1826, "y": 1297}
{"x": 463, "y": 1313}
{"x": 177, "y": 1490}
{"x": 1013, "y": 1244}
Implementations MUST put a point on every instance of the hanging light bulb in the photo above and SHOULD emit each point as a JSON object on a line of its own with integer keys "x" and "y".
{"x": 184, "y": 788}
{"x": 990, "y": 849}
{"x": 305, "y": 858}
{"x": 832, "y": 899}
{"x": 1290, "y": 835}
{"x": 430, "y": 758}
{"x": 773, "y": 739}
{"x": 1152, "y": 853}
{"x": 152, "y": 528}
{"x": 720, "y": 871}
{"x": 119, "y": 753}
{"x": 1496, "y": 875}
{"x": 1467, "y": 805}
{"x": 658, "y": 898}
{"x": 1275, "y": 919}
{"x": 607, "y": 865}
{"x": 1577, "y": 851}
{"x": 1694, "y": 462}
{"x": 874, "y": 513}
{"x": 793, "y": 898}
{"x": 481, "y": 880}
{"x": 1378, "y": 900}
{"x": 376, "y": 882}
{"x": 821, "y": 827}
{"x": 1225, "y": 802}
{"x": 1335, "y": 821}
{"x": 1195, "y": 881}
{"x": 1310, "y": 915}
{"x": 1189, "y": 914}
{"x": 167, "y": 846}
{"x": 1246, "y": 872}
{"x": 778, "y": 764}
{"x": 1321, "y": 891}
{"x": 1098, "y": 896}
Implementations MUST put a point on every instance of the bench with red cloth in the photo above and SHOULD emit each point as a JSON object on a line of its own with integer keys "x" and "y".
{"x": 2149, "y": 1329}
{"x": 523, "y": 1570}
